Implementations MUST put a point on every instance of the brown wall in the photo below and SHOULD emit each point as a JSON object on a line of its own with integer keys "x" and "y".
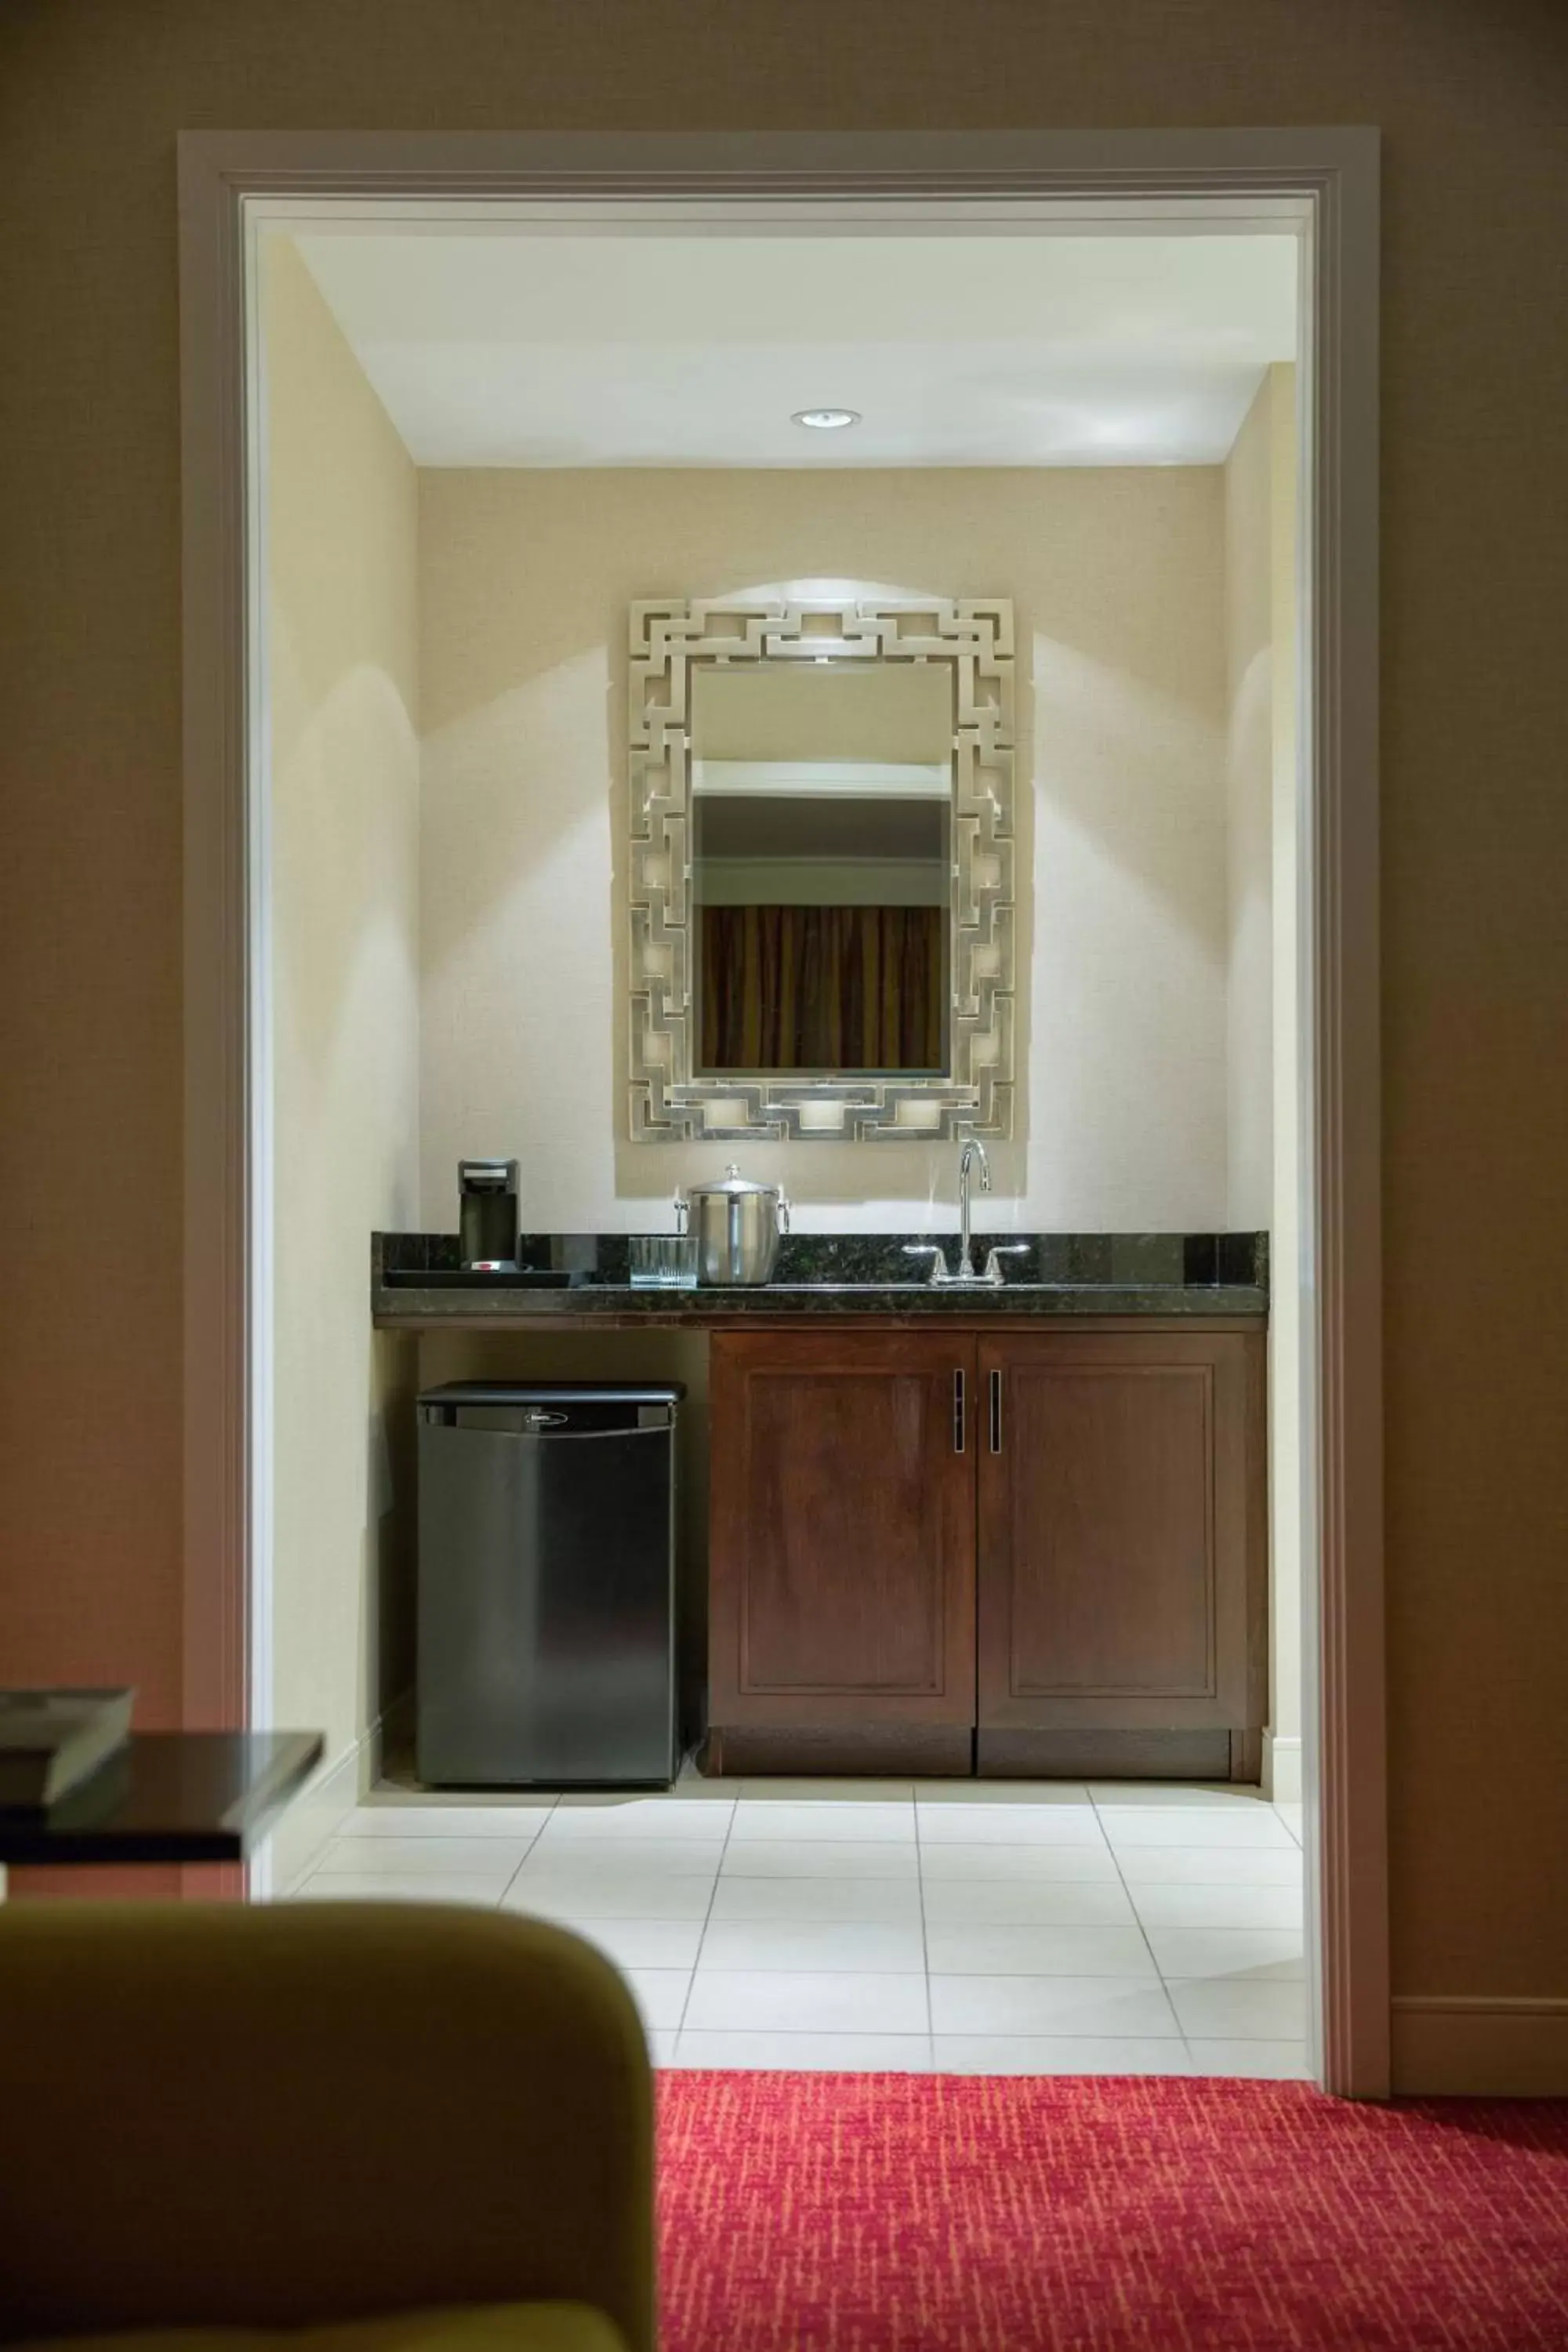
{"x": 1477, "y": 834}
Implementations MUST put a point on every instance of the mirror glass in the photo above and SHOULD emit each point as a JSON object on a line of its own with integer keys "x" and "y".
{"x": 821, "y": 868}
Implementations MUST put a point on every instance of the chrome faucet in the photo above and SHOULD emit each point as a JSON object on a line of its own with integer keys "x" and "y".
{"x": 991, "y": 1279}
{"x": 973, "y": 1150}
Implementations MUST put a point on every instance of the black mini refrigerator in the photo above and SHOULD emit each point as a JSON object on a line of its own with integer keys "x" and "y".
{"x": 546, "y": 1633}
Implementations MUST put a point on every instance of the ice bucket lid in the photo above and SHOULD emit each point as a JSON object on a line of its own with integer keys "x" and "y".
{"x": 730, "y": 1186}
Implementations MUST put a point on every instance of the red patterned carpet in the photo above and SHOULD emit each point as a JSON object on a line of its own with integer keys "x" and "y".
{"x": 902, "y": 2213}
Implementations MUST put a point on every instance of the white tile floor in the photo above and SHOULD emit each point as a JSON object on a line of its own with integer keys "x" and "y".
{"x": 961, "y": 1927}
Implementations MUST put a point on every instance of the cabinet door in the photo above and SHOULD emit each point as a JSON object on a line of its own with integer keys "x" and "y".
{"x": 842, "y": 1528}
{"x": 1121, "y": 1501}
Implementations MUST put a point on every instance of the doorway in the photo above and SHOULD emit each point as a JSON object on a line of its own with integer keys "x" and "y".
{"x": 1323, "y": 198}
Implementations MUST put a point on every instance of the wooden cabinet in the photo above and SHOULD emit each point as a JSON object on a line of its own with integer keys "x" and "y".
{"x": 1122, "y": 1573}
{"x": 841, "y": 1547}
{"x": 963, "y": 1549}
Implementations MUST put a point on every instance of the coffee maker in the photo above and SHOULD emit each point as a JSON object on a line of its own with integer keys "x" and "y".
{"x": 487, "y": 1214}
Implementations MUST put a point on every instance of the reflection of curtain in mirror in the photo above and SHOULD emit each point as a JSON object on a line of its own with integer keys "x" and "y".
{"x": 822, "y": 988}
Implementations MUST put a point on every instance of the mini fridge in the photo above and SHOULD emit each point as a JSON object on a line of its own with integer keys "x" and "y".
{"x": 546, "y": 1586}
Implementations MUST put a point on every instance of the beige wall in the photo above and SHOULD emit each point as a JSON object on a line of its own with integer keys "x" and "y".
{"x": 1263, "y": 1017}
{"x": 1475, "y": 820}
{"x": 1117, "y": 580}
{"x": 1286, "y": 1501}
{"x": 343, "y": 667}
{"x": 1249, "y": 805}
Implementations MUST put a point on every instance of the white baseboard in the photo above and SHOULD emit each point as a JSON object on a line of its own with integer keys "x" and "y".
{"x": 306, "y": 1826}
{"x": 309, "y": 1823}
{"x": 392, "y": 1730}
{"x": 1281, "y": 1769}
{"x": 1500, "y": 2047}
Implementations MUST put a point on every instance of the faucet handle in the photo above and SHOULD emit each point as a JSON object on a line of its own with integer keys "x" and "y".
{"x": 937, "y": 1254}
{"x": 994, "y": 1255}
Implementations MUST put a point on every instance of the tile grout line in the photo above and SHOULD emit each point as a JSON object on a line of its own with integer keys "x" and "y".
{"x": 707, "y": 1919}
{"x": 925, "y": 1940}
{"x": 1143, "y": 1930}
{"x": 550, "y": 1812}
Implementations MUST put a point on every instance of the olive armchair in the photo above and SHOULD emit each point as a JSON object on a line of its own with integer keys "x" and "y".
{"x": 399, "y": 2128}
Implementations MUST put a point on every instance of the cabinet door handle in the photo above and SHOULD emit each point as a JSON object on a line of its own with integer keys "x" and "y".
{"x": 958, "y": 1411}
{"x": 995, "y": 1412}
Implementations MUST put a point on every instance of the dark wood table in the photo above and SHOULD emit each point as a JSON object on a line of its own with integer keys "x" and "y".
{"x": 170, "y": 1795}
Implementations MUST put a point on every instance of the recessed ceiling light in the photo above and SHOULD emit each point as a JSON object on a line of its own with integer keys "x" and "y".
{"x": 826, "y": 420}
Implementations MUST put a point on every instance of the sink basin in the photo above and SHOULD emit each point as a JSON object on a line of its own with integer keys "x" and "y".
{"x": 448, "y": 1277}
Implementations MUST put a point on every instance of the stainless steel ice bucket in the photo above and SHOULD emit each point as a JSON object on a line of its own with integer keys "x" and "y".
{"x": 735, "y": 1227}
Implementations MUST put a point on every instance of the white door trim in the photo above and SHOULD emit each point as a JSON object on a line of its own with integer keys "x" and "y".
{"x": 1325, "y": 182}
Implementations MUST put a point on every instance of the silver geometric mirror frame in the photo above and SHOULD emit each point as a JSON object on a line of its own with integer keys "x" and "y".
{"x": 668, "y": 639}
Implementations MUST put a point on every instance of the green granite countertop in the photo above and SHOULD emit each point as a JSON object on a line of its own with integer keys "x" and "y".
{"x": 1099, "y": 1275}
{"x": 621, "y": 1302}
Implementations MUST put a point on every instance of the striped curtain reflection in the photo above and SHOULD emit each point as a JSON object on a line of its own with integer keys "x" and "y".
{"x": 822, "y": 988}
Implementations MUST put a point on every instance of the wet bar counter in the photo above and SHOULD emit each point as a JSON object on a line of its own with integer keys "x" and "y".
{"x": 416, "y": 1282}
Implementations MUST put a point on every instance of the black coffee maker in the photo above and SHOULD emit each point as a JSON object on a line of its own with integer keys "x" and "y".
{"x": 487, "y": 1213}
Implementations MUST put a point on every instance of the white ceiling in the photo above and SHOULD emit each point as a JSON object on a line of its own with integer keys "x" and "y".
{"x": 517, "y": 350}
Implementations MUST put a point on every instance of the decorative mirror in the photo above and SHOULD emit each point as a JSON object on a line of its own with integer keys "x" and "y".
{"x": 821, "y": 876}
